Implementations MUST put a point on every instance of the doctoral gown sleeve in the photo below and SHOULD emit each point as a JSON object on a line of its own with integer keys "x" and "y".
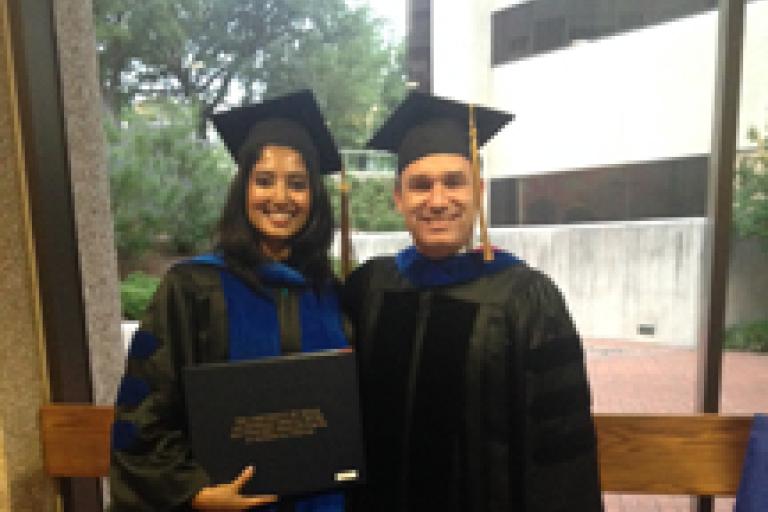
{"x": 151, "y": 466}
{"x": 560, "y": 444}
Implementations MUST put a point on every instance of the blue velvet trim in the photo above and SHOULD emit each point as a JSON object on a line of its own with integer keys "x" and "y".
{"x": 277, "y": 273}
{"x": 461, "y": 268}
{"x": 253, "y": 326}
{"x": 124, "y": 435}
{"x": 205, "y": 259}
{"x": 752, "y": 495}
{"x": 143, "y": 345}
{"x": 330, "y": 502}
{"x": 320, "y": 318}
{"x": 132, "y": 391}
{"x": 270, "y": 273}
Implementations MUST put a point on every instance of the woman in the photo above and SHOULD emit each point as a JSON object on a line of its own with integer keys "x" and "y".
{"x": 268, "y": 289}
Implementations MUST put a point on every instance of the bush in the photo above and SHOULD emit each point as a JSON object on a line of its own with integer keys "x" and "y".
{"x": 136, "y": 291}
{"x": 752, "y": 337}
{"x": 750, "y": 190}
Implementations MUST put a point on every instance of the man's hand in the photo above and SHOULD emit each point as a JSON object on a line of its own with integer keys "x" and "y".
{"x": 227, "y": 496}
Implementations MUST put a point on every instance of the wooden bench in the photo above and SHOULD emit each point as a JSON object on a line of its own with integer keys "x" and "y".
{"x": 698, "y": 454}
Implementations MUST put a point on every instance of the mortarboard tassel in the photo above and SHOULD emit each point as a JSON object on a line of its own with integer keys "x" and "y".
{"x": 487, "y": 251}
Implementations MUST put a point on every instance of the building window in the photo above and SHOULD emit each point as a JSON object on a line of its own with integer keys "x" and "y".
{"x": 549, "y": 34}
{"x": 420, "y": 44}
{"x": 511, "y": 33}
{"x": 540, "y": 26}
{"x": 645, "y": 190}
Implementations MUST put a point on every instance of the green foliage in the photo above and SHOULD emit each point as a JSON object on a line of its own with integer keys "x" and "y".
{"x": 199, "y": 52}
{"x": 357, "y": 76}
{"x": 136, "y": 291}
{"x": 750, "y": 191}
{"x": 750, "y": 220}
{"x": 751, "y": 337}
{"x": 166, "y": 185}
{"x": 178, "y": 61}
{"x": 371, "y": 205}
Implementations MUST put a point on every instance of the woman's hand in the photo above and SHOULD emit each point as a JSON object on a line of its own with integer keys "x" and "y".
{"x": 227, "y": 496}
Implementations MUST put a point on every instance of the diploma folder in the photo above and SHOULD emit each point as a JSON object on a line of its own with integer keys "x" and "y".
{"x": 295, "y": 419}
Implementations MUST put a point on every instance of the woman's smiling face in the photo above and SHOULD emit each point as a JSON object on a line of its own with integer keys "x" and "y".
{"x": 278, "y": 193}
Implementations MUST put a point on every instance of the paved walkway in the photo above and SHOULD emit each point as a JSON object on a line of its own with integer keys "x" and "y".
{"x": 639, "y": 377}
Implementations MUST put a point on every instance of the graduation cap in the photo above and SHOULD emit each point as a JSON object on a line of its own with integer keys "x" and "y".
{"x": 424, "y": 124}
{"x": 293, "y": 120}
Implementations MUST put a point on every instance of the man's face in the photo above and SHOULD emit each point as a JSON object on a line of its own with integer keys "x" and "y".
{"x": 436, "y": 200}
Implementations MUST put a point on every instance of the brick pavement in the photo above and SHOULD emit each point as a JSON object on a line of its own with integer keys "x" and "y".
{"x": 643, "y": 377}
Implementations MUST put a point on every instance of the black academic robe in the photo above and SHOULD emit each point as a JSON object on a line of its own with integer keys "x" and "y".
{"x": 473, "y": 388}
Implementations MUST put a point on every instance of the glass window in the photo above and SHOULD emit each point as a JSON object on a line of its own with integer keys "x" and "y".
{"x": 745, "y": 357}
{"x": 745, "y": 362}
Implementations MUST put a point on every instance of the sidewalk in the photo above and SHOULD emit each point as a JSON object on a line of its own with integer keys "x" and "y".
{"x": 638, "y": 377}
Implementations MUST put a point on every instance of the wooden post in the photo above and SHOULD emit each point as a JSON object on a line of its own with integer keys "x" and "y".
{"x": 715, "y": 256}
{"x": 345, "y": 241}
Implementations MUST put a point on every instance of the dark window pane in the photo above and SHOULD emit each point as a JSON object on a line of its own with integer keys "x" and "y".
{"x": 503, "y": 202}
{"x": 540, "y": 26}
{"x": 646, "y": 190}
{"x": 549, "y": 34}
{"x": 510, "y": 32}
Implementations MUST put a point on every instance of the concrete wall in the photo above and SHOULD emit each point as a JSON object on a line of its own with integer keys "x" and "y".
{"x": 619, "y": 276}
{"x": 461, "y": 49}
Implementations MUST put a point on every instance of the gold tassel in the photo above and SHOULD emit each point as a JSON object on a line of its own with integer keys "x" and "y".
{"x": 487, "y": 251}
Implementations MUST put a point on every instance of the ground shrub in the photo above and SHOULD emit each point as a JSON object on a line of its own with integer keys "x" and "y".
{"x": 751, "y": 337}
{"x": 136, "y": 290}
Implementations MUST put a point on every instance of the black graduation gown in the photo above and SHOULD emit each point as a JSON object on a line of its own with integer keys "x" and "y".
{"x": 475, "y": 395}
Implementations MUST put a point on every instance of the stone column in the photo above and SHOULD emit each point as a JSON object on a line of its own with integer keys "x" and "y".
{"x": 86, "y": 147}
{"x": 23, "y": 382}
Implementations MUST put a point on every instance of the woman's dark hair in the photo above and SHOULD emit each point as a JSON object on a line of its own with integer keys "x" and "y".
{"x": 240, "y": 243}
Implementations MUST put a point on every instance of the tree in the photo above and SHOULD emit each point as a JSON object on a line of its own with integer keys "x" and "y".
{"x": 204, "y": 52}
{"x": 750, "y": 191}
{"x": 166, "y": 185}
{"x": 357, "y": 77}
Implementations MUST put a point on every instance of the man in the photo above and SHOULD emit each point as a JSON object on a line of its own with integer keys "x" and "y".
{"x": 472, "y": 376}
